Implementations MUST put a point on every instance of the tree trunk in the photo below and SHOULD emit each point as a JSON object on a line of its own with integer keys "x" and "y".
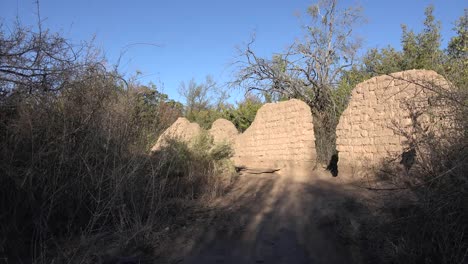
{"x": 325, "y": 123}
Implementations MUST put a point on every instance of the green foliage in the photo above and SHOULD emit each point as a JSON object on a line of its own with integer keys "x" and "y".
{"x": 198, "y": 157}
{"x": 384, "y": 61}
{"x": 153, "y": 107}
{"x": 221, "y": 152}
{"x": 419, "y": 51}
{"x": 196, "y": 169}
{"x": 348, "y": 81}
{"x": 203, "y": 102}
{"x": 204, "y": 117}
{"x": 458, "y": 45}
{"x": 203, "y": 148}
{"x": 456, "y": 67}
{"x": 244, "y": 113}
{"x": 422, "y": 51}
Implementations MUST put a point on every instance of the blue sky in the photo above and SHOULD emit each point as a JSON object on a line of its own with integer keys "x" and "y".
{"x": 197, "y": 38}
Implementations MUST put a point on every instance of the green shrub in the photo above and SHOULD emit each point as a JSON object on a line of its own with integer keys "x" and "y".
{"x": 198, "y": 168}
{"x": 243, "y": 115}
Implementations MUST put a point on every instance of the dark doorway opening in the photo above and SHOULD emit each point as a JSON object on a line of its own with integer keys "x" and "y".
{"x": 333, "y": 164}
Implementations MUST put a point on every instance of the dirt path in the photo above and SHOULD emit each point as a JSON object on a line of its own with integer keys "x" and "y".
{"x": 271, "y": 218}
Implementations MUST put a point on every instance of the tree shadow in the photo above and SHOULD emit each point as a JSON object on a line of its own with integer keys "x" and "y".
{"x": 273, "y": 218}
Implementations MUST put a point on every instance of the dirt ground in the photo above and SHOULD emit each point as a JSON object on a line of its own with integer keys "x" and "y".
{"x": 273, "y": 218}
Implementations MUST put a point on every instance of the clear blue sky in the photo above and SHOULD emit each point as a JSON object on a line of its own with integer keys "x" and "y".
{"x": 198, "y": 38}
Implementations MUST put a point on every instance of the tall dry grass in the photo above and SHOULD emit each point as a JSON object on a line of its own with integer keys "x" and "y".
{"x": 77, "y": 182}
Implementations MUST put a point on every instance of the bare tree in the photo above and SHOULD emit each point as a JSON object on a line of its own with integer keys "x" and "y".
{"x": 197, "y": 96}
{"x": 40, "y": 61}
{"x": 310, "y": 68}
{"x": 203, "y": 101}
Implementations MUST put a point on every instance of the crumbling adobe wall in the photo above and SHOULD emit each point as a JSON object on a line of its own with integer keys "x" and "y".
{"x": 380, "y": 112}
{"x": 281, "y": 137}
{"x": 181, "y": 130}
{"x": 379, "y": 123}
{"x": 223, "y": 130}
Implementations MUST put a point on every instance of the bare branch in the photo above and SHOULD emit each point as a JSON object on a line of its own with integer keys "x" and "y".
{"x": 41, "y": 61}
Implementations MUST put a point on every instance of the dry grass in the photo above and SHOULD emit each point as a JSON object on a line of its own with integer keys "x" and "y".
{"x": 423, "y": 218}
{"x": 77, "y": 183}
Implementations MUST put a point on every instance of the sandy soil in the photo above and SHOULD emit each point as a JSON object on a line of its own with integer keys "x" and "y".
{"x": 273, "y": 218}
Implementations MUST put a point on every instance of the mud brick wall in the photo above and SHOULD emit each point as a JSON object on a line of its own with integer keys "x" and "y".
{"x": 382, "y": 116}
{"x": 281, "y": 136}
{"x": 181, "y": 130}
{"x": 380, "y": 111}
{"x": 223, "y": 130}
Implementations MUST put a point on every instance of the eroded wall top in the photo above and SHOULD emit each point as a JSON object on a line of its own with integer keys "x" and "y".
{"x": 181, "y": 130}
{"x": 223, "y": 130}
{"x": 281, "y": 138}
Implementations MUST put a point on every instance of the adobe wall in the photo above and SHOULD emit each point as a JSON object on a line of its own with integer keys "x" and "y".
{"x": 380, "y": 111}
{"x": 223, "y": 130}
{"x": 281, "y": 137}
{"x": 181, "y": 130}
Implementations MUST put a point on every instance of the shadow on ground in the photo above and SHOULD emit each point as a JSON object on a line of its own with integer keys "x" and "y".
{"x": 272, "y": 218}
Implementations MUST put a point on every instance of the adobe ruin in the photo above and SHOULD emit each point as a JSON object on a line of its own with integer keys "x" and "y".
{"x": 382, "y": 114}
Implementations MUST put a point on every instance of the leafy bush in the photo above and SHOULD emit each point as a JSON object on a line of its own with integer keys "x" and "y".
{"x": 197, "y": 168}
{"x": 244, "y": 113}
